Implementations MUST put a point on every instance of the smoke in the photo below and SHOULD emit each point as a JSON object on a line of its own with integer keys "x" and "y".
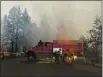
{"x": 76, "y": 17}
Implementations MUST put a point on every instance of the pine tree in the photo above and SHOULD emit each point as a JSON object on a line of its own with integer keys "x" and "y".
{"x": 96, "y": 36}
{"x": 5, "y": 33}
{"x": 13, "y": 23}
{"x": 27, "y": 28}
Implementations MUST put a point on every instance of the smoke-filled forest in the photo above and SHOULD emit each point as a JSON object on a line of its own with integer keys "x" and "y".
{"x": 60, "y": 37}
{"x": 19, "y": 32}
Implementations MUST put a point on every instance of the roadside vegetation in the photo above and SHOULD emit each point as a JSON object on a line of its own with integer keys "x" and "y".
{"x": 93, "y": 44}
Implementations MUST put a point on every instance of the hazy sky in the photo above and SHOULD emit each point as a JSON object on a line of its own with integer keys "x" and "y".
{"x": 76, "y": 16}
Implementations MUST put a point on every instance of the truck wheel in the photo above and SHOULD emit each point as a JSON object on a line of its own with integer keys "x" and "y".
{"x": 31, "y": 57}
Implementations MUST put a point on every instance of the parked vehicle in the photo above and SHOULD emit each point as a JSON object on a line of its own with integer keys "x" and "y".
{"x": 4, "y": 53}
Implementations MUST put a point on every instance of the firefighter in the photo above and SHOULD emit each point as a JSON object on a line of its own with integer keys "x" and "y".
{"x": 40, "y": 43}
{"x": 71, "y": 57}
{"x": 68, "y": 60}
{"x": 68, "y": 57}
{"x": 60, "y": 56}
{"x": 64, "y": 56}
{"x": 57, "y": 56}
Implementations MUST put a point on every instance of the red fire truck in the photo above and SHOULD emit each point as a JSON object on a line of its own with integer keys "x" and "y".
{"x": 4, "y": 53}
{"x": 47, "y": 48}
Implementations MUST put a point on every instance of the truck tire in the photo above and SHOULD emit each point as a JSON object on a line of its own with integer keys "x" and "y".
{"x": 31, "y": 56}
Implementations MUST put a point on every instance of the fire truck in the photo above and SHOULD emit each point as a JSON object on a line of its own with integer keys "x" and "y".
{"x": 4, "y": 53}
{"x": 48, "y": 48}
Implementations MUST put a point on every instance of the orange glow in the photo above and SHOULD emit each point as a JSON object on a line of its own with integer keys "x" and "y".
{"x": 63, "y": 35}
{"x": 64, "y": 40}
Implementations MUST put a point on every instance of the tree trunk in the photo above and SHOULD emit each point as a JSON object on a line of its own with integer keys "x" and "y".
{"x": 16, "y": 42}
{"x": 97, "y": 54}
{"x": 12, "y": 43}
{"x": 17, "y": 39}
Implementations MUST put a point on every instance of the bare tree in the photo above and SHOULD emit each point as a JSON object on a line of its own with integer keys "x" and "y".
{"x": 85, "y": 45}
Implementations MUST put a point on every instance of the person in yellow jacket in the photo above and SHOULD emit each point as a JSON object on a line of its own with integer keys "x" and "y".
{"x": 68, "y": 59}
{"x": 75, "y": 57}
